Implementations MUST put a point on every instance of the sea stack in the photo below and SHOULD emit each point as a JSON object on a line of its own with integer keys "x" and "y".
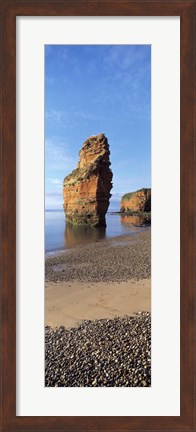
{"x": 138, "y": 201}
{"x": 86, "y": 191}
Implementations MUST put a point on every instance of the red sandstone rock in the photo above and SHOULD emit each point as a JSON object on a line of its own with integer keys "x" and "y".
{"x": 86, "y": 190}
{"x": 139, "y": 201}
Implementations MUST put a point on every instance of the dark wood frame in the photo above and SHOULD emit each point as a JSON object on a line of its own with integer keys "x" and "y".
{"x": 11, "y": 9}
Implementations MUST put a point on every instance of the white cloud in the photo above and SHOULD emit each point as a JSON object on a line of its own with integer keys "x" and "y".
{"x": 69, "y": 119}
{"x": 56, "y": 155}
{"x": 84, "y": 115}
{"x": 56, "y": 115}
{"x": 124, "y": 57}
{"x": 54, "y": 151}
{"x": 53, "y": 200}
{"x": 55, "y": 181}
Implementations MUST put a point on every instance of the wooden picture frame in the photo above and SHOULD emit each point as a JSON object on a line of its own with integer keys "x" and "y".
{"x": 10, "y": 10}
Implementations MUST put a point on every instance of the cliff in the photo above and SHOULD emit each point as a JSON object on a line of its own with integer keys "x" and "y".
{"x": 86, "y": 191}
{"x": 139, "y": 201}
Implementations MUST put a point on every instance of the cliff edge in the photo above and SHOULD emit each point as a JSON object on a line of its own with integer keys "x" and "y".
{"x": 138, "y": 201}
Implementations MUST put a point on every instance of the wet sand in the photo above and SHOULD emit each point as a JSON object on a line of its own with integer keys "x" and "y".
{"x": 106, "y": 279}
{"x": 68, "y": 303}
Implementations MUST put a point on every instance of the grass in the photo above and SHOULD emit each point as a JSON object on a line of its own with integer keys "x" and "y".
{"x": 127, "y": 196}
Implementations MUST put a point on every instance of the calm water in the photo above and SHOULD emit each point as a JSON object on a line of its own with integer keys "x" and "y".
{"x": 59, "y": 235}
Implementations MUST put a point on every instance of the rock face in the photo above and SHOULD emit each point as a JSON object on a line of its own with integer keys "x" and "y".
{"x": 139, "y": 201}
{"x": 86, "y": 191}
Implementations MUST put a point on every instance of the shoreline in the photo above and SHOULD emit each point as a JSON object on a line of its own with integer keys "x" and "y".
{"x": 114, "y": 259}
{"x": 97, "y": 314}
{"x": 59, "y": 251}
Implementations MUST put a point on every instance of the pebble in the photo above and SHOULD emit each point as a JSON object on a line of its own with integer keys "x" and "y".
{"x": 104, "y": 261}
{"x": 107, "y": 352}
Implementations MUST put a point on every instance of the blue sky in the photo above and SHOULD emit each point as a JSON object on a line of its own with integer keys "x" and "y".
{"x": 91, "y": 89}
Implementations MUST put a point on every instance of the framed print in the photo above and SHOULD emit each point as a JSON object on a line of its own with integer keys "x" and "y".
{"x": 99, "y": 305}
{"x": 119, "y": 77}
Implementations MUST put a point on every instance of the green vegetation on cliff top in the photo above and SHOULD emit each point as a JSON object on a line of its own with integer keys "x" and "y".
{"x": 127, "y": 196}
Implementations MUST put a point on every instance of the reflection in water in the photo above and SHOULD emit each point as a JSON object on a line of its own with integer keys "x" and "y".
{"x": 59, "y": 235}
{"x": 75, "y": 235}
{"x": 133, "y": 220}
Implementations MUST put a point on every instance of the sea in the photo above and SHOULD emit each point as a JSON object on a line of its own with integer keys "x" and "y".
{"x": 61, "y": 236}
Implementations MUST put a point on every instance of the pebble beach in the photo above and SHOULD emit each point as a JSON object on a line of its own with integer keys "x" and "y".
{"x": 110, "y": 346}
{"x": 117, "y": 259}
{"x": 109, "y": 353}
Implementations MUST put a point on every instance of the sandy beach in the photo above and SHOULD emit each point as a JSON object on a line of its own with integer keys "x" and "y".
{"x": 90, "y": 290}
{"x": 68, "y": 304}
{"x": 101, "y": 280}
